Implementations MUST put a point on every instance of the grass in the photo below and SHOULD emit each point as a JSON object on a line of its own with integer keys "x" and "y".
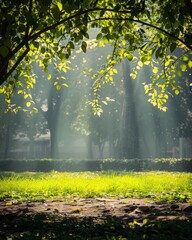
{"x": 28, "y": 186}
{"x": 164, "y": 186}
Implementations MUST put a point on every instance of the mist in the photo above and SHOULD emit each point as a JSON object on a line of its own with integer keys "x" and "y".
{"x": 65, "y": 127}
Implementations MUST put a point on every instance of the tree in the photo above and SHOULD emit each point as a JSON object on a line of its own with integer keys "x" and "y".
{"x": 43, "y": 30}
{"x": 23, "y": 124}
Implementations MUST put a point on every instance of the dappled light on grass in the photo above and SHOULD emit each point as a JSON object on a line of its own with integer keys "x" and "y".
{"x": 54, "y": 185}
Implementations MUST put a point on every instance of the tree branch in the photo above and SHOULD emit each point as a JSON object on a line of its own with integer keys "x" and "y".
{"x": 25, "y": 40}
{"x": 80, "y": 13}
{"x": 16, "y": 64}
{"x": 146, "y": 24}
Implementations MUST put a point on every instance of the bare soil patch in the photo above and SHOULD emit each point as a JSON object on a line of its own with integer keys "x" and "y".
{"x": 100, "y": 207}
{"x": 94, "y": 218}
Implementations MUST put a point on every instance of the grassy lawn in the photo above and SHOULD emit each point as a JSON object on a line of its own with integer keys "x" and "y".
{"x": 166, "y": 186}
{"x": 33, "y": 186}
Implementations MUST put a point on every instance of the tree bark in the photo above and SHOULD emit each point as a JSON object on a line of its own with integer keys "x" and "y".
{"x": 129, "y": 128}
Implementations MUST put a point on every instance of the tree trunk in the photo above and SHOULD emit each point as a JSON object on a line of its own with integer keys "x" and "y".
{"x": 90, "y": 147}
{"x": 7, "y": 137}
{"x": 54, "y": 151}
{"x": 129, "y": 128}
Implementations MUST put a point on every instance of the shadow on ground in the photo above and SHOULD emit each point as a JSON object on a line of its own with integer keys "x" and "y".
{"x": 46, "y": 226}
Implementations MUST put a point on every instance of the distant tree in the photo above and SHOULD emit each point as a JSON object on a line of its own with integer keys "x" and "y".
{"x": 15, "y": 124}
{"x": 32, "y": 30}
{"x": 101, "y": 127}
{"x": 49, "y": 101}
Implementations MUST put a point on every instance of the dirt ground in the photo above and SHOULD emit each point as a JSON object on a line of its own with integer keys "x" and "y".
{"x": 113, "y": 212}
{"x": 100, "y": 207}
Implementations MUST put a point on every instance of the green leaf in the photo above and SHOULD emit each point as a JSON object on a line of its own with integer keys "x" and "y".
{"x": 115, "y": 70}
{"x": 28, "y": 104}
{"x": 33, "y": 46}
{"x": 42, "y": 50}
{"x": 49, "y": 76}
{"x": 4, "y": 51}
{"x": 20, "y": 92}
{"x": 188, "y": 39}
{"x": 104, "y": 102}
{"x": 84, "y": 46}
{"x": 185, "y": 58}
{"x": 190, "y": 64}
{"x": 71, "y": 44}
{"x": 158, "y": 53}
{"x": 101, "y": 44}
{"x": 22, "y": 28}
{"x": 2, "y": 89}
{"x": 60, "y": 6}
{"x": 183, "y": 67}
{"x": 173, "y": 47}
{"x": 105, "y": 39}
{"x": 133, "y": 75}
{"x": 105, "y": 30}
{"x": 129, "y": 56}
{"x": 56, "y": 13}
{"x": 145, "y": 58}
{"x": 179, "y": 73}
{"x": 99, "y": 36}
{"x": 155, "y": 70}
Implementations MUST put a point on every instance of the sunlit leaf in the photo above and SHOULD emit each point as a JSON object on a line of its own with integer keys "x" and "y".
{"x": 58, "y": 87}
{"x": 129, "y": 56}
{"x": 145, "y": 58}
{"x": 164, "y": 109}
{"x": 190, "y": 64}
{"x": 183, "y": 67}
{"x": 115, "y": 70}
{"x": 20, "y": 92}
{"x": 133, "y": 75}
{"x": 49, "y": 76}
{"x": 155, "y": 70}
{"x": 28, "y": 104}
{"x": 60, "y": 6}
{"x": 101, "y": 44}
{"x": 104, "y": 102}
{"x": 2, "y": 90}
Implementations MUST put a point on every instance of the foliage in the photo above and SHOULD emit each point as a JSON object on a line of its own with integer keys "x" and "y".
{"x": 45, "y": 32}
{"x": 135, "y": 165}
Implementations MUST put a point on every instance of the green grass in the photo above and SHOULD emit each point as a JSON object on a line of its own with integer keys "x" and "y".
{"x": 167, "y": 186}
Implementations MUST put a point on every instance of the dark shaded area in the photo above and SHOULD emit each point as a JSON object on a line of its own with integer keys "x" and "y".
{"x": 44, "y": 226}
{"x": 137, "y": 165}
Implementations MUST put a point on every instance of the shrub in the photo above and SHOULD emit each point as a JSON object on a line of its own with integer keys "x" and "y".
{"x": 138, "y": 165}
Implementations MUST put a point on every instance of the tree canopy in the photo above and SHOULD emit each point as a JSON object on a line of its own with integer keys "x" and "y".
{"x": 148, "y": 32}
